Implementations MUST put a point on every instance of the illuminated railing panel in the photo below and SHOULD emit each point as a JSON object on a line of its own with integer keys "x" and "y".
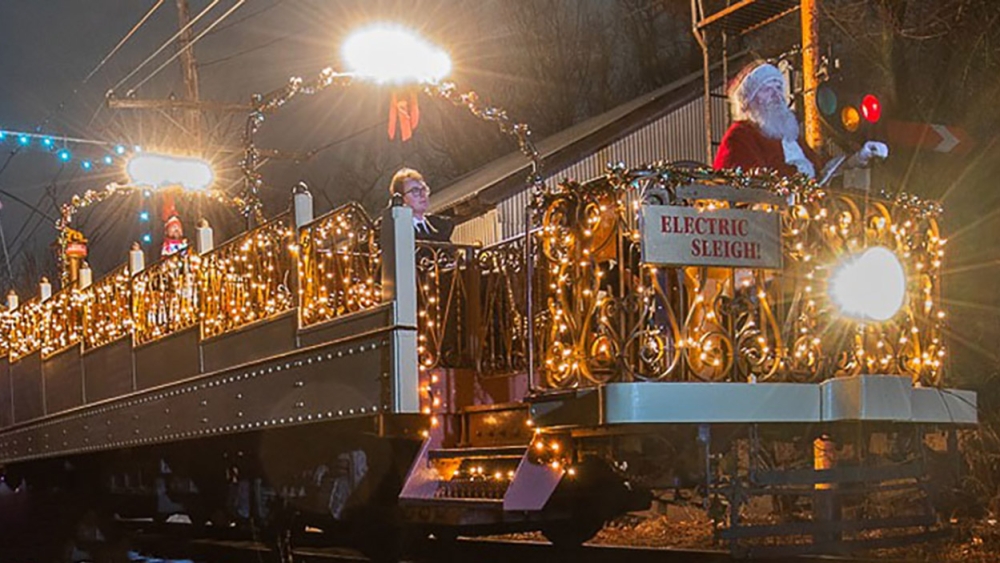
{"x": 5, "y": 332}
{"x": 607, "y": 316}
{"x": 27, "y": 328}
{"x": 63, "y": 319}
{"x": 248, "y": 279}
{"x": 108, "y": 304}
{"x": 165, "y": 297}
{"x": 339, "y": 265}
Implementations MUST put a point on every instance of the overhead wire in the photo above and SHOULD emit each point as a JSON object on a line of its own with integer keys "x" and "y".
{"x": 124, "y": 40}
{"x": 166, "y": 44}
{"x": 245, "y": 51}
{"x": 249, "y": 16}
{"x": 190, "y": 44}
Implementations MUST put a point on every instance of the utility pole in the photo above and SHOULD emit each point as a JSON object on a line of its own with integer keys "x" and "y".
{"x": 189, "y": 70}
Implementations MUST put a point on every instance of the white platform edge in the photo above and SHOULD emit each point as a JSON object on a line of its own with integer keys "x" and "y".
{"x": 859, "y": 398}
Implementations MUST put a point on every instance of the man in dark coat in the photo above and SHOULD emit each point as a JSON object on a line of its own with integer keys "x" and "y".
{"x": 409, "y": 184}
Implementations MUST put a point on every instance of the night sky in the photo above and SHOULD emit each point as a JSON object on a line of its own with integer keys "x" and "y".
{"x": 49, "y": 48}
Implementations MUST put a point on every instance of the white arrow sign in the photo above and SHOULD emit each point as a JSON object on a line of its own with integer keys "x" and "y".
{"x": 948, "y": 139}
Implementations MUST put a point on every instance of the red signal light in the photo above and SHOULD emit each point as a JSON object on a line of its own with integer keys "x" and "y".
{"x": 871, "y": 108}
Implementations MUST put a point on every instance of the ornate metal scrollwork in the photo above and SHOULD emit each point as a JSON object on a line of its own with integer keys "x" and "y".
{"x": 610, "y": 317}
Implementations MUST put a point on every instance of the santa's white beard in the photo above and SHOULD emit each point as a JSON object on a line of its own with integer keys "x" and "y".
{"x": 776, "y": 121}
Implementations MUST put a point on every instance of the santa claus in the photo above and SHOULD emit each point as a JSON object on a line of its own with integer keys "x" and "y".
{"x": 765, "y": 132}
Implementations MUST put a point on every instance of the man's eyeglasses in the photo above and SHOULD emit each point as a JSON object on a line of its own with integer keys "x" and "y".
{"x": 419, "y": 190}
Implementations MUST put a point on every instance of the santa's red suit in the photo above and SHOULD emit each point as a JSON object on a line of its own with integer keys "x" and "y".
{"x": 746, "y": 147}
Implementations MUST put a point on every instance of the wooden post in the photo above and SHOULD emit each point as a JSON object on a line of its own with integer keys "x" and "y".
{"x": 189, "y": 69}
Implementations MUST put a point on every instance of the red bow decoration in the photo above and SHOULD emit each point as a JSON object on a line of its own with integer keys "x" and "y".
{"x": 406, "y": 112}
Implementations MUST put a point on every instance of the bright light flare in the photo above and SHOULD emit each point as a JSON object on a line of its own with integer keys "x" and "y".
{"x": 391, "y": 54}
{"x": 869, "y": 286}
{"x": 162, "y": 171}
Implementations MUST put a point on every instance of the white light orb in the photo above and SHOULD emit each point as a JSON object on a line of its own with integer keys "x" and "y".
{"x": 869, "y": 286}
{"x": 163, "y": 171}
{"x": 391, "y": 54}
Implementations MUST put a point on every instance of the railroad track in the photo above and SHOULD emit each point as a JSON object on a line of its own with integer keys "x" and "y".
{"x": 463, "y": 549}
{"x": 171, "y": 542}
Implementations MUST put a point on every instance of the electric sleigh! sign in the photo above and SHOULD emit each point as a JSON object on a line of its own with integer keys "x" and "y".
{"x": 734, "y": 238}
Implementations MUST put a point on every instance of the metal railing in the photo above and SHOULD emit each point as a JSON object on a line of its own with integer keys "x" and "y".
{"x": 446, "y": 316}
{"x": 27, "y": 328}
{"x": 63, "y": 319}
{"x": 248, "y": 279}
{"x": 503, "y": 293}
{"x": 608, "y": 316}
{"x": 339, "y": 266}
{"x": 165, "y": 297}
{"x": 108, "y": 309}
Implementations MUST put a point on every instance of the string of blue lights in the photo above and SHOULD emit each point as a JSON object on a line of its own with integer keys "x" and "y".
{"x": 62, "y": 147}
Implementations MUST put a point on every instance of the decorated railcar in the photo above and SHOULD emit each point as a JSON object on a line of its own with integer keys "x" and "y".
{"x": 714, "y": 337}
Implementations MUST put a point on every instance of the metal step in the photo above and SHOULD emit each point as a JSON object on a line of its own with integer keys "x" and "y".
{"x": 482, "y": 453}
{"x": 496, "y": 425}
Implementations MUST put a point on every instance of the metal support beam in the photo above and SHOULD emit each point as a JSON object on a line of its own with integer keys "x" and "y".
{"x": 399, "y": 286}
{"x": 810, "y": 63}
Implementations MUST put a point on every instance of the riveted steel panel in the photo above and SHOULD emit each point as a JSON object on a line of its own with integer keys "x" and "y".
{"x": 336, "y": 381}
{"x": 26, "y": 384}
{"x": 6, "y": 399}
{"x": 360, "y": 322}
{"x": 107, "y": 371}
{"x": 260, "y": 340}
{"x": 168, "y": 359}
{"x": 63, "y": 376}
{"x": 498, "y": 425}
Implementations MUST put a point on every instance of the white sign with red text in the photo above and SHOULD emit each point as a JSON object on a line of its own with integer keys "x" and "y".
{"x": 735, "y": 238}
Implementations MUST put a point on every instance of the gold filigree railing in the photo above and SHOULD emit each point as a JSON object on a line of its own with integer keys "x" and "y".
{"x": 339, "y": 265}
{"x": 5, "y": 328}
{"x": 63, "y": 316}
{"x": 108, "y": 303}
{"x": 247, "y": 279}
{"x": 607, "y": 316}
{"x": 27, "y": 328}
{"x": 823, "y": 231}
{"x": 165, "y": 297}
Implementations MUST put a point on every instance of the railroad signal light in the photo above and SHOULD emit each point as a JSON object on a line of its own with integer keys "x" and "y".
{"x": 850, "y": 119}
{"x": 871, "y": 108}
{"x": 826, "y": 100}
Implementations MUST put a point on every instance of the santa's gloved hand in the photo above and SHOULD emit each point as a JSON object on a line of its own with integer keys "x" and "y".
{"x": 872, "y": 149}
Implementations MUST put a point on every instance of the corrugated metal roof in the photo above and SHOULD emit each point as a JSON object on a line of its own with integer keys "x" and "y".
{"x": 678, "y": 135}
